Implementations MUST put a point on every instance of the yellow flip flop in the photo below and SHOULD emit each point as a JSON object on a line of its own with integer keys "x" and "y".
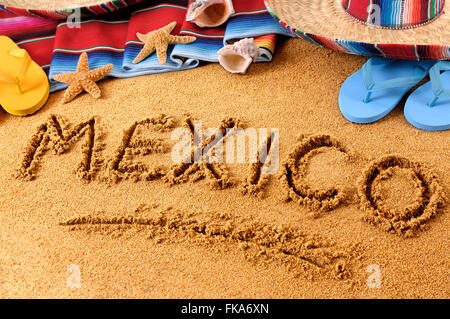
{"x": 24, "y": 86}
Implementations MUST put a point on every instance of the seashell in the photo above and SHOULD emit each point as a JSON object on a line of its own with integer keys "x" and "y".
{"x": 209, "y": 13}
{"x": 236, "y": 58}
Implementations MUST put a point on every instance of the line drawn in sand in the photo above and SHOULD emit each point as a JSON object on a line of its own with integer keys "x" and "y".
{"x": 304, "y": 254}
{"x": 122, "y": 165}
{"x": 256, "y": 181}
{"x": 294, "y": 169}
{"x": 190, "y": 169}
{"x": 58, "y": 136}
{"x": 429, "y": 202}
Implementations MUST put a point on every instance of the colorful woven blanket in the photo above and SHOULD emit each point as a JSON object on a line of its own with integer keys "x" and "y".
{"x": 111, "y": 38}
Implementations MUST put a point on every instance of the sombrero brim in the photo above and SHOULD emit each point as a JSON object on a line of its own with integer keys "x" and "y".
{"x": 324, "y": 22}
{"x": 63, "y": 9}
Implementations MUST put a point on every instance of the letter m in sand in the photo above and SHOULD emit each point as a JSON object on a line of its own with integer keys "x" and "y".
{"x": 57, "y": 136}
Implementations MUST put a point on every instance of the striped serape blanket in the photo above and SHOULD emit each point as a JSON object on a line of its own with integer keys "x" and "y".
{"x": 111, "y": 38}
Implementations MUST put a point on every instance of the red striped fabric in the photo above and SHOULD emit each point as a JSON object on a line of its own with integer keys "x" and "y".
{"x": 76, "y": 39}
{"x": 166, "y": 14}
{"x": 56, "y": 45}
{"x": 101, "y": 8}
{"x": 394, "y": 14}
{"x": 41, "y": 49}
{"x": 247, "y": 6}
{"x": 357, "y": 8}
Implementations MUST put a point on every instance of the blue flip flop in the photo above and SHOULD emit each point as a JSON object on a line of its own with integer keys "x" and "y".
{"x": 374, "y": 91}
{"x": 428, "y": 107}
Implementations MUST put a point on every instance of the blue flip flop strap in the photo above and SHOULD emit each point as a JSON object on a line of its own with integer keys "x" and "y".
{"x": 371, "y": 85}
{"x": 436, "y": 81}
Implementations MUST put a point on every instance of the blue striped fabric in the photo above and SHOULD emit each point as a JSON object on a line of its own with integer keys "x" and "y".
{"x": 202, "y": 49}
{"x": 180, "y": 57}
{"x": 245, "y": 26}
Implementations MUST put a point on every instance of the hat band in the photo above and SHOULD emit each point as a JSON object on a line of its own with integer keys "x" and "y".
{"x": 394, "y": 14}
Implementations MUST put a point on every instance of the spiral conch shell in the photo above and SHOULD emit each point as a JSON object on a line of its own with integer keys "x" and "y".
{"x": 236, "y": 58}
{"x": 209, "y": 13}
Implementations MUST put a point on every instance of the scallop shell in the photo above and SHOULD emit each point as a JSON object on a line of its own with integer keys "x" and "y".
{"x": 209, "y": 13}
{"x": 236, "y": 58}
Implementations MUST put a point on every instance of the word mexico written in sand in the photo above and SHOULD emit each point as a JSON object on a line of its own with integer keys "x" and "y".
{"x": 60, "y": 137}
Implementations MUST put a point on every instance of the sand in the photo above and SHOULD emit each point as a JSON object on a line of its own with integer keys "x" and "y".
{"x": 91, "y": 204}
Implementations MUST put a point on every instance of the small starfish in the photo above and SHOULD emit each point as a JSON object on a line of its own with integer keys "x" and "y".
{"x": 159, "y": 40}
{"x": 83, "y": 79}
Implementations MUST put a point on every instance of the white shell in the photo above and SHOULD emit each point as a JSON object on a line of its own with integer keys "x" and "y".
{"x": 210, "y": 13}
{"x": 236, "y": 58}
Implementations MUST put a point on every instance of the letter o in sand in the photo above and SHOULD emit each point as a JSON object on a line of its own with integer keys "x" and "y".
{"x": 413, "y": 217}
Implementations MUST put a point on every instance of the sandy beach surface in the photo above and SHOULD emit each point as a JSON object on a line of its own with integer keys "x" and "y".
{"x": 92, "y": 206}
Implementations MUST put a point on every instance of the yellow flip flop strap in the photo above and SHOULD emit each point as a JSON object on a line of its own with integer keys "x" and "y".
{"x": 20, "y": 75}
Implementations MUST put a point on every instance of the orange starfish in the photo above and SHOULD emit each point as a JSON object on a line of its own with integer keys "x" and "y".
{"x": 159, "y": 40}
{"x": 83, "y": 79}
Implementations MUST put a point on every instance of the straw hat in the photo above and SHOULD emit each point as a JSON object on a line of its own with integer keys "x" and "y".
{"x": 61, "y": 9}
{"x": 406, "y": 29}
